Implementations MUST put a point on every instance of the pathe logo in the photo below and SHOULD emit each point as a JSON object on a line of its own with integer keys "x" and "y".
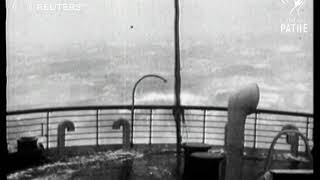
{"x": 294, "y": 23}
{"x": 297, "y": 5}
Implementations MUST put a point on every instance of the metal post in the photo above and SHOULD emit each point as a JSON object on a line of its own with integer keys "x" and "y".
{"x": 47, "y": 135}
{"x": 4, "y": 80}
{"x": 177, "y": 110}
{"x": 132, "y": 117}
{"x": 307, "y": 129}
{"x": 97, "y": 127}
{"x": 255, "y": 131}
{"x": 41, "y": 129}
{"x": 204, "y": 126}
{"x": 150, "y": 127}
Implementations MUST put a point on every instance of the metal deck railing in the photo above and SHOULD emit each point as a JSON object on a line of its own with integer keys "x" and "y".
{"x": 152, "y": 125}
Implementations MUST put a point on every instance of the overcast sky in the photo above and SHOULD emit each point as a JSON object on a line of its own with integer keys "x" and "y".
{"x": 230, "y": 42}
{"x": 100, "y": 18}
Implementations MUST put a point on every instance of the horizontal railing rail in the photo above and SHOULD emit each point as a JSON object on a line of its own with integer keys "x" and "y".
{"x": 152, "y": 124}
{"x": 84, "y": 108}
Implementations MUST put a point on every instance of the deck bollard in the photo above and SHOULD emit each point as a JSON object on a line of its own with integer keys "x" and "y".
{"x": 241, "y": 104}
{"x": 69, "y": 125}
{"x": 125, "y": 132}
{"x": 190, "y": 148}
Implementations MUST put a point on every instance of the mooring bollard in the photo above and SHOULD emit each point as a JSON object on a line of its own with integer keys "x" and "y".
{"x": 125, "y": 132}
{"x": 69, "y": 125}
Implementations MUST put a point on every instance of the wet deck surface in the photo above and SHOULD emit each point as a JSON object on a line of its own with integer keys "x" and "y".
{"x": 111, "y": 165}
{"x": 121, "y": 165}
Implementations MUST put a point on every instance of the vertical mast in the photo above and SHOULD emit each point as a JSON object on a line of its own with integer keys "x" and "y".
{"x": 3, "y": 125}
{"x": 177, "y": 85}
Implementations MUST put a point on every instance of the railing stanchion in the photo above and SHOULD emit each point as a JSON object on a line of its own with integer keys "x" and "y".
{"x": 150, "y": 127}
{"x": 255, "y": 131}
{"x": 97, "y": 127}
{"x": 132, "y": 119}
{"x": 307, "y": 128}
{"x": 47, "y": 135}
{"x": 41, "y": 129}
{"x": 204, "y": 126}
